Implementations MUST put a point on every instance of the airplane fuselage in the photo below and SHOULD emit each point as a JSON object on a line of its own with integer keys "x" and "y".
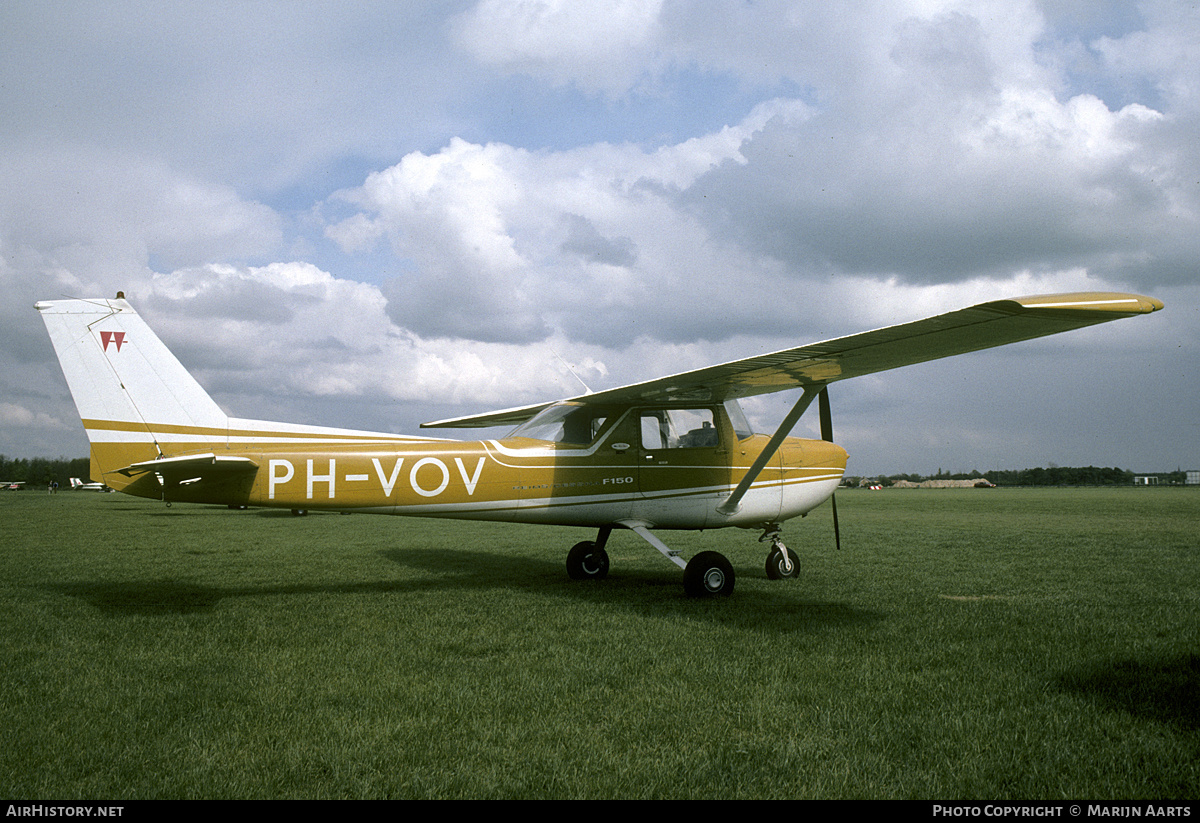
{"x": 626, "y": 472}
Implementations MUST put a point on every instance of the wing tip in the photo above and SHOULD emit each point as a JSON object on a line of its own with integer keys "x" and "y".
{"x": 1087, "y": 301}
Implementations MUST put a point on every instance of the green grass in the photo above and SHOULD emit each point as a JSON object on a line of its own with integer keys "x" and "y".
{"x": 1008, "y": 643}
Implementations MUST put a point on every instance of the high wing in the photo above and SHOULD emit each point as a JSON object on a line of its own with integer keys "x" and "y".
{"x": 984, "y": 326}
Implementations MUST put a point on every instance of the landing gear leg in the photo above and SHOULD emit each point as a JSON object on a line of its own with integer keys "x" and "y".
{"x": 588, "y": 560}
{"x": 782, "y": 562}
{"x": 708, "y": 574}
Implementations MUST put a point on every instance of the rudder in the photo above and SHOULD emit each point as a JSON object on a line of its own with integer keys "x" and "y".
{"x": 136, "y": 400}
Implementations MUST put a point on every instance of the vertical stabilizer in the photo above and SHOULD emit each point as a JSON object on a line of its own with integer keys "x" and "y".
{"x": 134, "y": 397}
{"x": 138, "y": 403}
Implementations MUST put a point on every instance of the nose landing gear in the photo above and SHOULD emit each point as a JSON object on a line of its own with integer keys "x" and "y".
{"x": 782, "y": 562}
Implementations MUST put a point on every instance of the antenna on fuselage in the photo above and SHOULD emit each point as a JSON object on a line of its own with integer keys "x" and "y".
{"x": 587, "y": 389}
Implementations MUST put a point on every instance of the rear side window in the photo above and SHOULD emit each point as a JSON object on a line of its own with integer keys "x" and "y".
{"x": 567, "y": 424}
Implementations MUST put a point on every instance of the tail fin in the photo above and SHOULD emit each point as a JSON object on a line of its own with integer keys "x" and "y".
{"x": 139, "y": 405}
{"x": 136, "y": 400}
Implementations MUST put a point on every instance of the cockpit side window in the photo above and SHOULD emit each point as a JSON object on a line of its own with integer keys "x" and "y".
{"x": 678, "y": 429}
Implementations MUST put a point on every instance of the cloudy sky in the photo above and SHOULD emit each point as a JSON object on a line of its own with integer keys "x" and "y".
{"x": 375, "y": 214}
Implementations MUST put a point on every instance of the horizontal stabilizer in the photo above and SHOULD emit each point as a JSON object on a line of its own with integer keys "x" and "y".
{"x": 200, "y": 478}
{"x": 191, "y": 465}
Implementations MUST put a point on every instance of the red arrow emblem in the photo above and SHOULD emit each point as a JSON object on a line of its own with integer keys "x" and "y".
{"x": 116, "y": 337}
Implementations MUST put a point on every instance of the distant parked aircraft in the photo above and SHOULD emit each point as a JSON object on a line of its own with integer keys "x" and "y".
{"x": 79, "y": 486}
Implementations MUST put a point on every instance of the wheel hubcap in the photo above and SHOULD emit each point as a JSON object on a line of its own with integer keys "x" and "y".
{"x": 714, "y": 579}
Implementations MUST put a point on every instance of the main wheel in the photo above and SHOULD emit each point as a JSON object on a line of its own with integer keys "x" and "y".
{"x": 708, "y": 574}
{"x": 776, "y": 570}
{"x": 586, "y": 561}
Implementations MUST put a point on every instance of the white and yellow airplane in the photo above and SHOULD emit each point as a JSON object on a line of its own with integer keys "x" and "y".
{"x": 670, "y": 453}
{"x": 78, "y": 485}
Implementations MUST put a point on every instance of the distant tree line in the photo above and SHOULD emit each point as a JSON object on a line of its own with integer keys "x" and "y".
{"x": 41, "y": 471}
{"x": 1052, "y": 476}
{"x": 1062, "y": 476}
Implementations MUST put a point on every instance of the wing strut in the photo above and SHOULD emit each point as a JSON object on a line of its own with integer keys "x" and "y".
{"x": 730, "y": 506}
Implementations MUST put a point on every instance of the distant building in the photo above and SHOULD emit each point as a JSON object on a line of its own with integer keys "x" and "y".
{"x": 1193, "y": 478}
{"x": 1145, "y": 480}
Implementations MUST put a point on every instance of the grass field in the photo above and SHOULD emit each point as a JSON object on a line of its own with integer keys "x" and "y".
{"x": 988, "y": 644}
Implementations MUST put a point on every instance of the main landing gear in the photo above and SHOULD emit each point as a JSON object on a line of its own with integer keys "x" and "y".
{"x": 708, "y": 574}
{"x": 588, "y": 560}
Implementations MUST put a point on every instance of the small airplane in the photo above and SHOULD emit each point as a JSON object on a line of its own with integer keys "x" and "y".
{"x": 79, "y": 486}
{"x": 671, "y": 453}
{"x": 12, "y": 485}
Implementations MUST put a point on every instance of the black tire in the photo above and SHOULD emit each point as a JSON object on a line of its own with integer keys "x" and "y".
{"x": 585, "y": 561}
{"x": 708, "y": 574}
{"x": 776, "y": 569}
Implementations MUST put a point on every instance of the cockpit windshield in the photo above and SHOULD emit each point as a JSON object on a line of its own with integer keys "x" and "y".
{"x": 566, "y": 423}
{"x": 737, "y": 418}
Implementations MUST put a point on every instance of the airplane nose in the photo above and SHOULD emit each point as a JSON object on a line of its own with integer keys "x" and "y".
{"x": 815, "y": 454}
{"x": 824, "y": 453}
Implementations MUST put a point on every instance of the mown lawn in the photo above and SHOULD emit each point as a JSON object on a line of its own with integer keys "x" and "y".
{"x": 990, "y": 644}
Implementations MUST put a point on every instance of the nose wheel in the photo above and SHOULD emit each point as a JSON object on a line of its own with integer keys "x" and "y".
{"x": 779, "y": 569}
{"x": 782, "y": 562}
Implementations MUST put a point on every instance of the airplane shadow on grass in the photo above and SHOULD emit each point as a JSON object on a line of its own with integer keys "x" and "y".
{"x": 1166, "y": 690}
{"x": 644, "y": 590}
{"x": 463, "y": 570}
